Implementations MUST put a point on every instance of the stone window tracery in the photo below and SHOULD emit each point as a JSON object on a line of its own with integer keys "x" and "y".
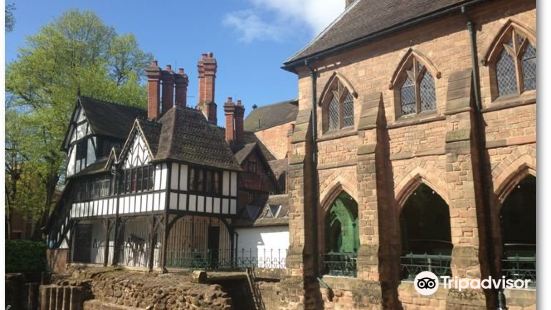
{"x": 337, "y": 106}
{"x": 512, "y": 61}
{"x": 417, "y": 92}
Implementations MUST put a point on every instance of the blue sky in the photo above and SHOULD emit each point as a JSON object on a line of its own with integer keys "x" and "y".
{"x": 249, "y": 38}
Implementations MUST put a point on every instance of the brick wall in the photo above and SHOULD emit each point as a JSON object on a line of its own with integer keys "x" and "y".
{"x": 276, "y": 139}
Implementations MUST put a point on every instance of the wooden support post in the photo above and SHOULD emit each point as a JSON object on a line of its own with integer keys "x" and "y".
{"x": 116, "y": 239}
{"x": 166, "y": 231}
{"x": 107, "y": 225}
{"x": 152, "y": 241}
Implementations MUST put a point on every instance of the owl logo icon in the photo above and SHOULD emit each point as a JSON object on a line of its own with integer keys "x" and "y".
{"x": 426, "y": 283}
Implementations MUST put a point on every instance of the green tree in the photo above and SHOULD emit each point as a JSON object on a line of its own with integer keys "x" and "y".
{"x": 77, "y": 53}
{"x": 10, "y": 19}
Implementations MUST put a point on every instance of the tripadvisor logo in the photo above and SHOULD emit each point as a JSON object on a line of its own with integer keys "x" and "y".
{"x": 426, "y": 283}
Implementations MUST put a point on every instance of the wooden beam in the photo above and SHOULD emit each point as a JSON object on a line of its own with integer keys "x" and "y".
{"x": 107, "y": 225}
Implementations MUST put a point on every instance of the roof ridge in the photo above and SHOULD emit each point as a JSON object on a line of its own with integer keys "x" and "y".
{"x": 107, "y": 102}
{"x": 324, "y": 31}
{"x": 290, "y": 101}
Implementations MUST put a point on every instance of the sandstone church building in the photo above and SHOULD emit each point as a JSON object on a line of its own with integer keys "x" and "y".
{"x": 421, "y": 155}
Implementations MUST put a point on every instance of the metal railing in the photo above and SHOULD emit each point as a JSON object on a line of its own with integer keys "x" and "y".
{"x": 519, "y": 262}
{"x": 339, "y": 264}
{"x": 227, "y": 259}
{"x": 412, "y": 264}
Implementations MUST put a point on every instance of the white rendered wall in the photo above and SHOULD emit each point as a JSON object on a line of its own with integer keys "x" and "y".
{"x": 270, "y": 243}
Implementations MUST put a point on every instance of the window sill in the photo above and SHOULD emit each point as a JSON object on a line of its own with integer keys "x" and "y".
{"x": 421, "y": 118}
{"x": 526, "y": 98}
{"x": 345, "y": 132}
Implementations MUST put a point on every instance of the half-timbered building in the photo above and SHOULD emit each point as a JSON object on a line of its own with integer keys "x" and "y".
{"x": 159, "y": 188}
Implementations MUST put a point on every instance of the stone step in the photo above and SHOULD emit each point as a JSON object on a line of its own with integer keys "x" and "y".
{"x": 96, "y": 304}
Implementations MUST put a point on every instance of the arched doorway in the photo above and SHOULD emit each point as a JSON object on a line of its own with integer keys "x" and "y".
{"x": 341, "y": 237}
{"x": 425, "y": 234}
{"x": 518, "y": 231}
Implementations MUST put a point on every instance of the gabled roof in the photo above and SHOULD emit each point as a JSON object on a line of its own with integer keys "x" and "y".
{"x": 271, "y": 115}
{"x": 274, "y": 213}
{"x": 366, "y": 19}
{"x": 244, "y": 152}
{"x": 187, "y": 136}
{"x": 110, "y": 119}
{"x": 279, "y": 166}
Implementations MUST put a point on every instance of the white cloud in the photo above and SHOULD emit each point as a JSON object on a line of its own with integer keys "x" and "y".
{"x": 251, "y": 27}
{"x": 273, "y": 19}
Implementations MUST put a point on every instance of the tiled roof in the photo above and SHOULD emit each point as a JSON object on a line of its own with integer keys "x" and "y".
{"x": 187, "y": 136}
{"x": 244, "y": 152}
{"x": 271, "y": 115}
{"x": 274, "y": 213}
{"x": 110, "y": 119}
{"x": 279, "y": 166}
{"x": 152, "y": 133}
{"x": 367, "y": 18}
{"x": 97, "y": 167}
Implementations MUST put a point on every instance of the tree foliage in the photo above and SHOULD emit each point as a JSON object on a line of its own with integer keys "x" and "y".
{"x": 75, "y": 54}
{"x": 10, "y": 18}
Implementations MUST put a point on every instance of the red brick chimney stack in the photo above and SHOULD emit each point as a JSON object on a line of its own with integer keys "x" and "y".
{"x": 207, "y": 75}
{"x": 234, "y": 120}
{"x": 238, "y": 119}
{"x": 153, "y": 73}
{"x": 168, "y": 88}
{"x": 182, "y": 81}
{"x": 229, "y": 110}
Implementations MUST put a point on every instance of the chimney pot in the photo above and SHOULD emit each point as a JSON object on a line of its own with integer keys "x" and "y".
{"x": 181, "y": 71}
{"x": 211, "y": 55}
{"x": 239, "y": 102}
{"x": 168, "y": 68}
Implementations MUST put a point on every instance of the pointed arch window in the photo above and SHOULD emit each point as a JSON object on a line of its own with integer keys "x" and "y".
{"x": 414, "y": 84}
{"x": 337, "y": 106}
{"x": 417, "y": 91}
{"x": 512, "y": 60}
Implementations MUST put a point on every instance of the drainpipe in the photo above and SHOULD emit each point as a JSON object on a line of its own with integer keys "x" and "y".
{"x": 500, "y": 302}
{"x": 314, "y": 165}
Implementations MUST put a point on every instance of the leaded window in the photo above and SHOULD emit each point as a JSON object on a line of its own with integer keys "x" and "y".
{"x": 339, "y": 108}
{"x": 417, "y": 93}
{"x": 205, "y": 181}
{"x": 515, "y": 65}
